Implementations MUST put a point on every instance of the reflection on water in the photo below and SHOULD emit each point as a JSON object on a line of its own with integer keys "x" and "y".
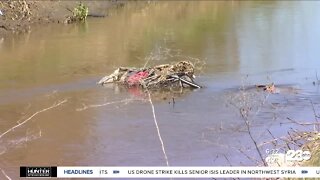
{"x": 233, "y": 37}
{"x": 271, "y": 41}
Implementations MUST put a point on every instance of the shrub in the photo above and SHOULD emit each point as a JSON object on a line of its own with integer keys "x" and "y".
{"x": 80, "y": 12}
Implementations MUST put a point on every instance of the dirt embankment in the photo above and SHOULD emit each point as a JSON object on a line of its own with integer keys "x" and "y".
{"x": 18, "y": 16}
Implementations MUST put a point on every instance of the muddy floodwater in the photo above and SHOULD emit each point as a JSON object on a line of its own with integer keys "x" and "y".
{"x": 242, "y": 44}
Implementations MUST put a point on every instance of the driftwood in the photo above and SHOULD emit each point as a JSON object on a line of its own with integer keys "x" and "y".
{"x": 180, "y": 74}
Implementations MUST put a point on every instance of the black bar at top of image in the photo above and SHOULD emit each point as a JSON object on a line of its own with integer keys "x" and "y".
{"x": 23, "y": 171}
{"x": 54, "y": 171}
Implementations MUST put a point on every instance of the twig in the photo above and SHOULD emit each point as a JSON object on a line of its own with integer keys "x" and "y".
{"x": 245, "y": 109}
{"x": 287, "y": 145}
{"x": 217, "y": 156}
{"x": 28, "y": 119}
{"x": 315, "y": 114}
{"x": 249, "y": 130}
{"x": 263, "y": 102}
{"x": 253, "y": 140}
{"x": 158, "y": 130}
{"x": 276, "y": 142}
{"x": 302, "y": 124}
{"x": 100, "y": 105}
{"x": 247, "y": 156}
{"x": 5, "y": 174}
{"x": 69, "y": 9}
{"x": 271, "y": 134}
{"x": 145, "y": 65}
{"x": 227, "y": 160}
{"x": 292, "y": 140}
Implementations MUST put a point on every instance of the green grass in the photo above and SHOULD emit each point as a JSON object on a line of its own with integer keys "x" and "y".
{"x": 80, "y": 12}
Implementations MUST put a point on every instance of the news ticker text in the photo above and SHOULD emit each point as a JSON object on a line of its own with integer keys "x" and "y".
{"x": 170, "y": 172}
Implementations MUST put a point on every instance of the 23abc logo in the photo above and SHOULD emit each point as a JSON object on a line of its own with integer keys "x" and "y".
{"x": 297, "y": 155}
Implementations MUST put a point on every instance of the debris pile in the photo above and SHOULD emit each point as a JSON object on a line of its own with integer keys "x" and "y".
{"x": 270, "y": 88}
{"x": 180, "y": 74}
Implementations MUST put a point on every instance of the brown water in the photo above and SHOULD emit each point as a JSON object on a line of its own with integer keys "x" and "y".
{"x": 242, "y": 43}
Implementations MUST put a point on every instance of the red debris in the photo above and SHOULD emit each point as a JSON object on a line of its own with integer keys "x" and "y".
{"x": 135, "y": 79}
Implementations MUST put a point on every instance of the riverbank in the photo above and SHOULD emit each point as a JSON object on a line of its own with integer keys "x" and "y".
{"x": 20, "y": 16}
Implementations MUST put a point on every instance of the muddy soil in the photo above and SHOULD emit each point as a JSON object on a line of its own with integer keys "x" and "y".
{"x": 19, "y": 16}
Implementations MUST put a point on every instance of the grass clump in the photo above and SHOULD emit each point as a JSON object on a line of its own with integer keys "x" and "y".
{"x": 80, "y": 12}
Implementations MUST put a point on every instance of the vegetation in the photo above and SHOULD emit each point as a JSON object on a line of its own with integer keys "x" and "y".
{"x": 80, "y": 12}
{"x": 314, "y": 146}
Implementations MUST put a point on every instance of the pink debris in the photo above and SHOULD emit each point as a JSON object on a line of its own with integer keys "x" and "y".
{"x": 135, "y": 78}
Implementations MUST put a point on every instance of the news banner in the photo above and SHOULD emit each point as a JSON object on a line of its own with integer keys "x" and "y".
{"x": 170, "y": 172}
{"x": 273, "y": 157}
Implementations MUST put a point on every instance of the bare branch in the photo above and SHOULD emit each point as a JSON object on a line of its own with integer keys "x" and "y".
{"x": 5, "y": 174}
{"x": 247, "y": 156}
{"x": 315, "y": 114}
{"x": 158, "y": 130}
{"x": 227, "y": 160}
{"x": 28, "y": 119}
{"x": 302, "y": 124}
{"x": 104, "y": 104}
{"x": 276, "y": 142}
{"x": 253, "y": 140}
